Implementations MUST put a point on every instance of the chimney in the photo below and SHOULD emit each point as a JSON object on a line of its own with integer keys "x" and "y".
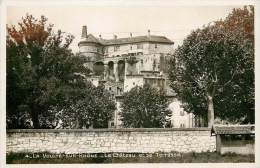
{"x": 131, "y": 35}
{"x": 84, "y": 32}
{"x": 149, "y": 33}
{"x": 115, "y": 37}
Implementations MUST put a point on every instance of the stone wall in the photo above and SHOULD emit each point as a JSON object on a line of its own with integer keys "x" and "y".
{"x": 111, "y": 140}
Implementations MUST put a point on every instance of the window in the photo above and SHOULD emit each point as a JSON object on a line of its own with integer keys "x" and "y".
{"x": 116, "y": 48}
{"x": 131, "y": 47}
{"x": 182, "y": 125}
{"x": 133, "y": 83}
{"x": 106, "y": 50}
{"x": 155, "y": 46}
{"x": 139, "y": 46}
{"x": 88, "y": 59}
{"x": 181, "y": 113}
{"x": 112, "y": 124}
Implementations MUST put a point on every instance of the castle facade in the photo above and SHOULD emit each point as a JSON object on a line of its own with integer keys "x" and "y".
{"x": 123, "y": 63}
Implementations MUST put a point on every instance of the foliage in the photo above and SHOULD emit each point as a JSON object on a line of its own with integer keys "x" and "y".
{"x": 145, "y": 107}
{"x": 93, "y": 109}
{"x": 42, "y": 74}
{"x": 215, "y": 65}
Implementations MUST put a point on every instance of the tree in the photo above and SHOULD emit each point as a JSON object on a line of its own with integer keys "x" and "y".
{"x": 25, "y": 48}
{"x": 86, "y": 107}
{"x": 145, "y": 107}
{"x": 43, "y": 74}
{"x": 213, "y": 70}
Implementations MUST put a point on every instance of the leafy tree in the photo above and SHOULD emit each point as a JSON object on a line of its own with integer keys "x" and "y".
{"x": 43, "y": 74}
{"x": 213, "y": 70}
{"x": 145, "y": 107}
{"x": 25, "y": 48}
{"x": 93, "y": 109}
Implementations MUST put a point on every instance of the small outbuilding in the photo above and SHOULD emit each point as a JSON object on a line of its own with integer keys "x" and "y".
{"x": 238, "y": 139}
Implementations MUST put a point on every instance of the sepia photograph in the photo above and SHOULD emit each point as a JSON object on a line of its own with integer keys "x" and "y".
{"x": 105, "y": 84}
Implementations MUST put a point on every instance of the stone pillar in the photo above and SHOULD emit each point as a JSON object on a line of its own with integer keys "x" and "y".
{"x": 138, "y": 66}
{"x": 218, "y": 143}
{"x": 116, "y": 71}
{"x": 106, "y": 73}
{"x": 126, "y": 67}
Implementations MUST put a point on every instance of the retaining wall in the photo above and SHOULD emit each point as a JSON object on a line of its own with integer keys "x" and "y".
{"x": 111, "y": 140}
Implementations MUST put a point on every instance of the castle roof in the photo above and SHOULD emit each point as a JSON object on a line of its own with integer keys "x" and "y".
{"x": 137, "y": 39}
{"x": 90, "y": 39}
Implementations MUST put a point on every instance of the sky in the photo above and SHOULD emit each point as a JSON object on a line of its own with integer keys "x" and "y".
{"x": 174, "y": 22}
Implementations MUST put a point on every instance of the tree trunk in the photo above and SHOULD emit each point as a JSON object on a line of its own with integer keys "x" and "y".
{"x": 35, "y": 120}
{"x": 35, "y": 116}
{"x": 210, "y": 111}
{"x": 77, "y": 124}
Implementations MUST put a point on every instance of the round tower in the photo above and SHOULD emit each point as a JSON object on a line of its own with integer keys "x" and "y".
{"x": 89, "y": 47}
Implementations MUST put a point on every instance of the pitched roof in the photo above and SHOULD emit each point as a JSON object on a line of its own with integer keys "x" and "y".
{"x": 234, "y": 129}
{"x": 128, "y": 40}
{"x": 90, "y": 39}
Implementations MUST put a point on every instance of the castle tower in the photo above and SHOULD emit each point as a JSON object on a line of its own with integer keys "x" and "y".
{"x": 89, "y": 46}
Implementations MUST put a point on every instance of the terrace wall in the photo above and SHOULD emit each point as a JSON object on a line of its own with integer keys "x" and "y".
{"x": 111, "y": 140}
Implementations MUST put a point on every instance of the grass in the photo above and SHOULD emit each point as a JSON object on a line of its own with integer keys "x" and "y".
{"x": 160, "y": 157}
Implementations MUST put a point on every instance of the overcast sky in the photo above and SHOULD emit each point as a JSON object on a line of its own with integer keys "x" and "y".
{"x": 174, "y": 22}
